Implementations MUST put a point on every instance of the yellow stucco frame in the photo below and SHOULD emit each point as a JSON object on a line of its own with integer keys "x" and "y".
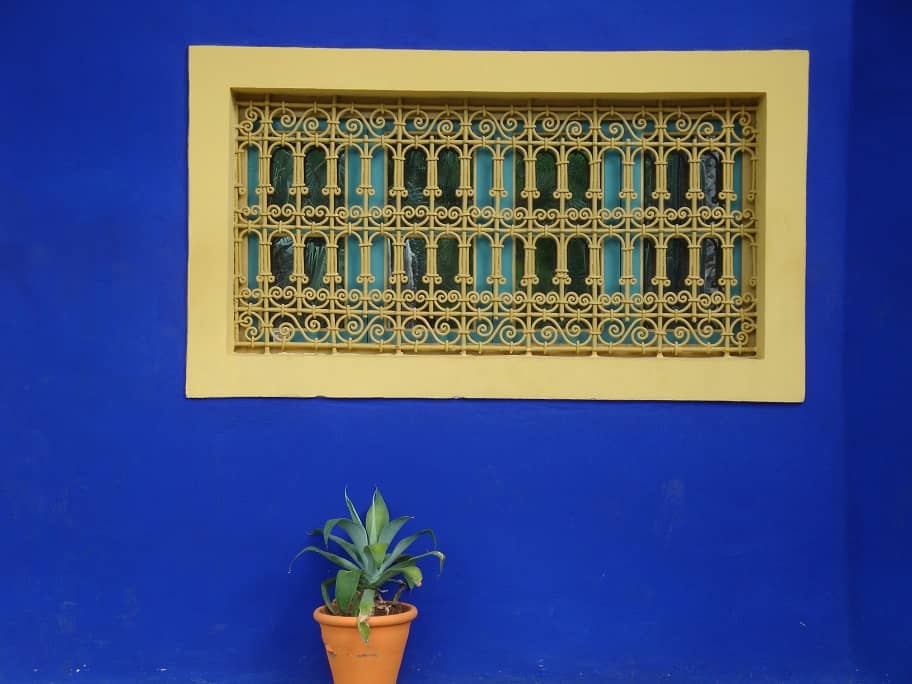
{"x": 778, "y": 78}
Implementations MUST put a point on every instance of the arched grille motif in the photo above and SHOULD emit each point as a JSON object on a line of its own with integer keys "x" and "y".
{"x": 496, "y": 227}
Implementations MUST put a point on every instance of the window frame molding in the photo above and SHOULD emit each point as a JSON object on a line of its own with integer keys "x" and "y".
{"x": 778, "y": 79}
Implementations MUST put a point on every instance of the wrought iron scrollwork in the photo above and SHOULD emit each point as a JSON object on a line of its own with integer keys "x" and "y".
{"x": 423, "y": 226}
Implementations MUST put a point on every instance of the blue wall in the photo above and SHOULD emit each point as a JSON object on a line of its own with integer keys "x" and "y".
{"x": 878, "y": 463}
{"x": 142, "y": 532}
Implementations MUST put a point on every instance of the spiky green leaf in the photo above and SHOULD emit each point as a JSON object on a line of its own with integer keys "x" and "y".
{"x": 328, "y": 528}
{"x": 355, "y": 518}
{"x": 377, "y": 517}
{"x": 378, "y": 553}
{"x": 331, "y": 557}
{"x": 392, "y": 573}
{"x": 346, "y": 589}
{"x": 354, "y": 531}
{"x": 404, "y": 561}
{"x": 365, "y": 608}
{"x": 437, "y": 554}
{"x": 403, "y": 544}
{"x": 370, "y": 566}
{"x": 356, "y": 556}
{"x": 390, "y": 531}
{"x": 324, "y": 589}
{"x": 413, "y": 576}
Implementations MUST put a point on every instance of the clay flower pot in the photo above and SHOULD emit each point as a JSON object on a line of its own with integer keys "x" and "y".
{"x": 354, "y": 662}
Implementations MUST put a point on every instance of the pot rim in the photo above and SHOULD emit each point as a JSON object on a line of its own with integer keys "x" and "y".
{"x": 325, "y": 618}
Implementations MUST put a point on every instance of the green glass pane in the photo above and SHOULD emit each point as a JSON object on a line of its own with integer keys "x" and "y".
{"x": 649, "y": 181}
{"x": 315, "y": 177}
{"x": 578, "y": 265}
{"x": 578, "y": 179}
{"x": 415, "y": 171}
{"x": 448, "y": 177}
{"x": 678, "y": 179}
{"x": 281, "y": 260}
{"x": 710, "y": 264}
{"x": 519, "y": 177}
{"x": 545, "y": 264}
{"x": 676, "y": 264}
{"x": 649, "y": 264}
{"x": 448, "y": 263}
{"x": 415, "y": 263}
{"x": 281, "y": 175}
{"x": 315, "y": 261}
{"x": 545, "y": 181}
{"x": 710, "y": 177}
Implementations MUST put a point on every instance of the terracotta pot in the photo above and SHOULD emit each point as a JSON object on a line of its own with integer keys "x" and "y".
{"x": 354, "y": 662}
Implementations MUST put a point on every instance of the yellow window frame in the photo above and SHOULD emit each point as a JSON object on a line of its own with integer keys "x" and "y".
{"x": 778, "y": 79}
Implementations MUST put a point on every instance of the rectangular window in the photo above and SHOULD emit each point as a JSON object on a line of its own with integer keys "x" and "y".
{"x": 496, "y": 227}
{"x": 395, "y": 223}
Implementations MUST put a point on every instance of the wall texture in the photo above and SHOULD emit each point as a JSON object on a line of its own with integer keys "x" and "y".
{"x": 143, "y": 535}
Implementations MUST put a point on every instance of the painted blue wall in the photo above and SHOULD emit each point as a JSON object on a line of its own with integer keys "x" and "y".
{"x": 145, "y": 535}
{"x": 878, "y": 464}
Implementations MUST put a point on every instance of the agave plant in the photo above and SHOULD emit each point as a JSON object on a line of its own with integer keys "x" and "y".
{"x": 368, "y": 566}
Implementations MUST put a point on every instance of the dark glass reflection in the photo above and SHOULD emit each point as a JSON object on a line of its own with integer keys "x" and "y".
{"x": 281, "y": 175}
{"x": 315, "y": 177}
{"x": 578, "y": 265}
{"x": 578, "y": 179}
{"x": 448, "y": 263}
{"x": 415, "y": 263}
{"x": 676, "y": 264}
{"x": 415, "y": 173}
{"x": 711, "y": 247}
{"x": 281, "y": 260}
{"x": 448, "y": 177}
{"x": 545, "y": 180}
{"x": 545, "y": 264}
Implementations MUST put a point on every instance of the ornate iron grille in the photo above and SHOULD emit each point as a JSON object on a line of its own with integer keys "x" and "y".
{"x": 496, "y": 227}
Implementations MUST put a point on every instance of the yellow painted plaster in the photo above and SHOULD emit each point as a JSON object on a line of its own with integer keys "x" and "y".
{"x": 779, "y": 78}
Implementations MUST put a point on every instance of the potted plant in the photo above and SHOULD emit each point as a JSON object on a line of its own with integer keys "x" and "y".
{"x": 364, "y": 633}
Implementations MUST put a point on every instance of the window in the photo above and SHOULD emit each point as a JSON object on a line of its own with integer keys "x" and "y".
{"x": 493, "y": 227}
{"x": 598, "y": 235}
